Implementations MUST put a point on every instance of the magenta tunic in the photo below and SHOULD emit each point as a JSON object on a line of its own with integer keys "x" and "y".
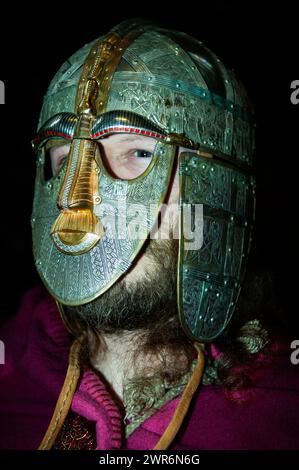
{"x": 36, "y": 356}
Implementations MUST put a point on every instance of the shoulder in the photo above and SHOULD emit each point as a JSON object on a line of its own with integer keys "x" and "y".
{"x": 36, "y": 356}
{"x": 268, "y": 419}
{"x": 36, "y": 320}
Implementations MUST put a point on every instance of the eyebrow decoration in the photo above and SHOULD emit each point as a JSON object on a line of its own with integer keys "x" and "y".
{"x": 63, "y": 125}
{"x": 119, "y": 121}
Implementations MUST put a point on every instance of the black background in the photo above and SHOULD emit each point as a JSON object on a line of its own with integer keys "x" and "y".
{"x": 259, "y": 41}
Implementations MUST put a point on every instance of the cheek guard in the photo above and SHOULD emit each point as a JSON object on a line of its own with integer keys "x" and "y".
{"x": 209, "y": 279}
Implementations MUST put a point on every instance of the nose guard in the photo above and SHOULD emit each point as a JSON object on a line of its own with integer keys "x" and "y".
{"x": 77, "y": 229}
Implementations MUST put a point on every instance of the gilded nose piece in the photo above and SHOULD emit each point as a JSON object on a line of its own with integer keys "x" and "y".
{"x": 77, "y": 229}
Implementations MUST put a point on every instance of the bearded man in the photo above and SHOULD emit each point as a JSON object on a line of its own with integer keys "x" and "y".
{"x": 142, "y": 221}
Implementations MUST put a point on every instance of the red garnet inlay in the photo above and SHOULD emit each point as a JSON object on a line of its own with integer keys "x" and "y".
{"x": 129, "y": 130}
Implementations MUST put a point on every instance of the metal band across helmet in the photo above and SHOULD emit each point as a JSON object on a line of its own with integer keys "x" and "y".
{"x": 145, "y": 80}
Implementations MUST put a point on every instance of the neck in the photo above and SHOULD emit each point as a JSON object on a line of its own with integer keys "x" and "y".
{"x": 114, "y": 357}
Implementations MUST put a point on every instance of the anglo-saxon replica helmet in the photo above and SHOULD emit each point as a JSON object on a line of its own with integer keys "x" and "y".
{"x": 164, "y": 84}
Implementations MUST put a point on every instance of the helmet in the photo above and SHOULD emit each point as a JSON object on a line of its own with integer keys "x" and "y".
{"x": 164, "y": 84}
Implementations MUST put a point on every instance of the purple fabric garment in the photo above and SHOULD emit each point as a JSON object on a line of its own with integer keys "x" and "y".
{"x": 36, "y": 357}
{"x": 93, "y": 402}
{"x": 37, "y": 345}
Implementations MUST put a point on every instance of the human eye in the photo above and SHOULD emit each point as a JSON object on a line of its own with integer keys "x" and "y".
{"x": 140, "y": 153}
{"x": 133, "y": 162}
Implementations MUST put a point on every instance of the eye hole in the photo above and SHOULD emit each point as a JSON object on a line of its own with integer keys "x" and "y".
{"x": 55, "y": 157}
{"x": 127, "y": 156}
{"x": 58, "y": 156}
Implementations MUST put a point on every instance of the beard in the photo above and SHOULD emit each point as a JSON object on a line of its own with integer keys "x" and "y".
{"x": 137, "y": 304}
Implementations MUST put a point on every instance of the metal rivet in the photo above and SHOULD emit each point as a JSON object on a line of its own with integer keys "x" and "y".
{"x": 97, "y": 199}
{"x": 178, "y": 85}
{"x": 49, "y": 185}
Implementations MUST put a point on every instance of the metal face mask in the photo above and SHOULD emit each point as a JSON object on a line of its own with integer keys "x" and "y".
{"x": 143, "y": 80}
{"x": 82, "y": 252}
